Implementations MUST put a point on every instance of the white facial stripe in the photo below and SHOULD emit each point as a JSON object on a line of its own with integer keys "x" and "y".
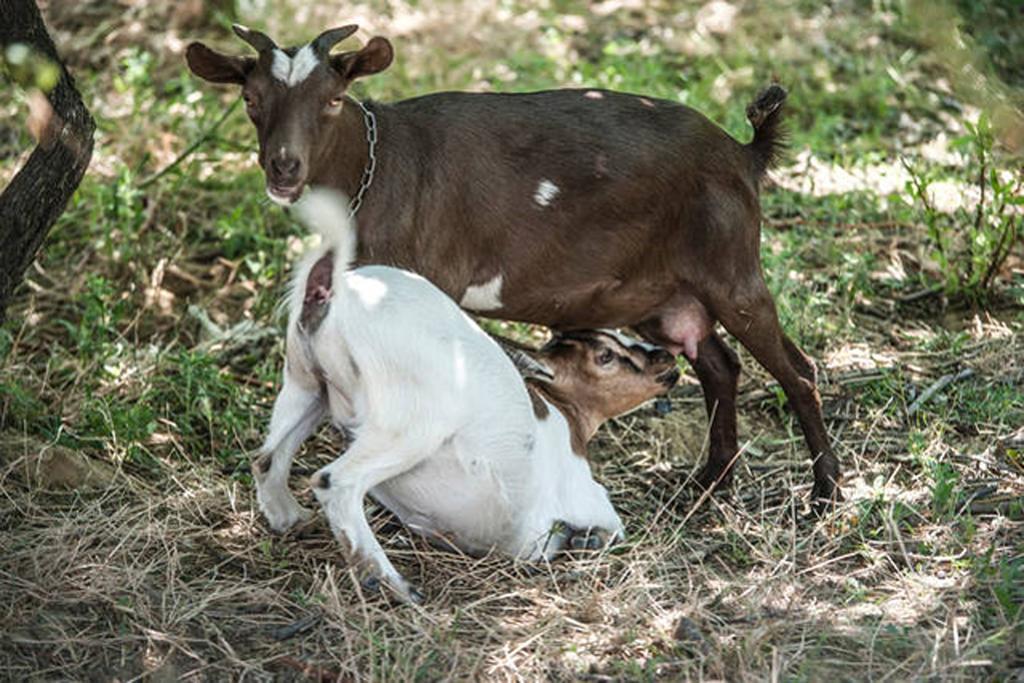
{"x": 302, "y": 65}
{"x": 293, "y": 70}
{"x": 484, "y": 297}
{"x": 545, "y": 193}
{"x": 628, "y": 342}
{"x": 282, "y": 66}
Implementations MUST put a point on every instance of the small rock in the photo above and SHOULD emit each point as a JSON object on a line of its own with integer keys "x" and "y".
{"x": 688, "y": 633}
{"x": 51, "y": 467}
{"x": 662, "y": 406}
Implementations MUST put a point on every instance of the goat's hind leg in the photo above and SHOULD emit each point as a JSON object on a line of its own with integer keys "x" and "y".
{"x": 298, "y": 409}
{"x": 751, "y": 317}
{"x": 341, "y": 488}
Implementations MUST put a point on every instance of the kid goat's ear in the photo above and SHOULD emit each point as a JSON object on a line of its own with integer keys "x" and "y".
{"x": 375, "y": 56}
{"x": 215, "y": 67}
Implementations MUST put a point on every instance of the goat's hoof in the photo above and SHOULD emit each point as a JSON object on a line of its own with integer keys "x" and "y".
{"x": 404, "y": 591}
{"x": 397, "y": 588}
{"x": 282, "y": 514}
{"x": 590, "y": 538}
{"x": 824, "y": 499}
{"x": 712, "y": 478}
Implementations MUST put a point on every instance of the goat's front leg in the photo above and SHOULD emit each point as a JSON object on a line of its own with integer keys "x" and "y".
{"x": 341, "y": 488}
{"x": 298, "y": 410}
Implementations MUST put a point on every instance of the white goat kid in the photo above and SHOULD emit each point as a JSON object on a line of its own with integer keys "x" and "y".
{"x": 446, "y": 432}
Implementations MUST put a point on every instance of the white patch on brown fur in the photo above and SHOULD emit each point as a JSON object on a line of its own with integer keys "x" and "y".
{"x": 628, "y": 342}
{"x": 545, "y": 193}
{"x": 483, "y": 297}
{"x": 293, "y": 70}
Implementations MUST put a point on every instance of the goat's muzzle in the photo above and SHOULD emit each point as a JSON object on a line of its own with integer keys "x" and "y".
{"x": 669, "y": 378}
{"x": 659, "y": 356}
{"x": 284, "y": 194}
{"x": 664, "y": 363}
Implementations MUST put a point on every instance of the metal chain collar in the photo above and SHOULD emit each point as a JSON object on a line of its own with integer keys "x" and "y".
{"x": 371, "y": 162}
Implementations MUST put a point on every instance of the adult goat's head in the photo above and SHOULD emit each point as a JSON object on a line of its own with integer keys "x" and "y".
{"x": 292, "y": 95}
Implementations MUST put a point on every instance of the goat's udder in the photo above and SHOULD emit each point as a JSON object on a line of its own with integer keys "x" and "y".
{"x": 685, "y": 326}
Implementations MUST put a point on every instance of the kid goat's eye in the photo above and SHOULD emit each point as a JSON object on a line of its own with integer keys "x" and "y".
{"x": 335, "y": 101}
{"x": 606, "y": 357}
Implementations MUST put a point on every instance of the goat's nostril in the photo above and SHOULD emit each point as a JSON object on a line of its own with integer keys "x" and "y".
{"x": 285, "y": 167}
{"x": 663, "y": 357}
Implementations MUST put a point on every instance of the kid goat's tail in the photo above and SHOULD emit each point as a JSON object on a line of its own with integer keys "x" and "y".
{"x": 325, "y": 212}
{"x": 765, "y": 115}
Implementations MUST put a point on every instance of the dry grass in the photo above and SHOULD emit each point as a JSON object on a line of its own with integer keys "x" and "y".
{"x": 140, "y": 554}
{"x": 176, "y": 575}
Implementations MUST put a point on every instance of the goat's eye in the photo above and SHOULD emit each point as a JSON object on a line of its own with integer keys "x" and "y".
{"x": 250, "y": 101}
{"x": 605, "y": 357}
{"x": 335, "y": 101}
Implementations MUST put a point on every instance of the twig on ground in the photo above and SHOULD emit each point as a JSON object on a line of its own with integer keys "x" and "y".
{"x": 296, "y": 627}
{"x": 191, "y": 149}
{"x": 786, "y": 223}
{"x": 935, "y": 388}
{"x": 920, "y": 294}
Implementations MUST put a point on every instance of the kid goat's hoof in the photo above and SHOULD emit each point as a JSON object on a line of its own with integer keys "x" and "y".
{"x": 591, "y": 538}
{"x": 282, "y": 513}
{"x": 401, "y": 589}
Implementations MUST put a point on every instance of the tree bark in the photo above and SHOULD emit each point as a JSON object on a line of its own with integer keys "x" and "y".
{"x": 38, "y": 194}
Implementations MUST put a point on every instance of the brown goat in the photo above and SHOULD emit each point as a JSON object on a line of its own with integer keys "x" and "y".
{"x": 574, "y": 209}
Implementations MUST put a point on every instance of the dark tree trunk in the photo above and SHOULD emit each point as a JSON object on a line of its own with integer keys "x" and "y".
{"x": 38, "y": 194}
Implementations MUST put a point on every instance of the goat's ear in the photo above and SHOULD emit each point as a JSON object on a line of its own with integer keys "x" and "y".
{"x": 375, "y": 56}
{"x": 215, "y": 67}
{"x": 529, "y": 367}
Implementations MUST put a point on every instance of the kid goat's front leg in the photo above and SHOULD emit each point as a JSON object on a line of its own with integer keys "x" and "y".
{"x": 341, "y": 487}
{"x": 298, "y": 409}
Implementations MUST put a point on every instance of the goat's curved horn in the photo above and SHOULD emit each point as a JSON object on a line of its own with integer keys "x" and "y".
{"x": 323, "y": 43}
{"x": 260, "y": 41}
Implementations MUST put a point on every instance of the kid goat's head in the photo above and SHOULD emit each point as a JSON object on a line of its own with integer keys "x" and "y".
{"x": 293, "y": 96}
{"x": 602, "y": 374}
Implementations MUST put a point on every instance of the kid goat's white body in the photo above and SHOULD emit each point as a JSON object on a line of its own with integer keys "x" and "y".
{"x": 445, "y": 434}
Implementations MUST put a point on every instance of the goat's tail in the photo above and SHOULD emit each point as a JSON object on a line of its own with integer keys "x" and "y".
{"x": 765, "y": 114}
{"x": 325, "y": 212}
